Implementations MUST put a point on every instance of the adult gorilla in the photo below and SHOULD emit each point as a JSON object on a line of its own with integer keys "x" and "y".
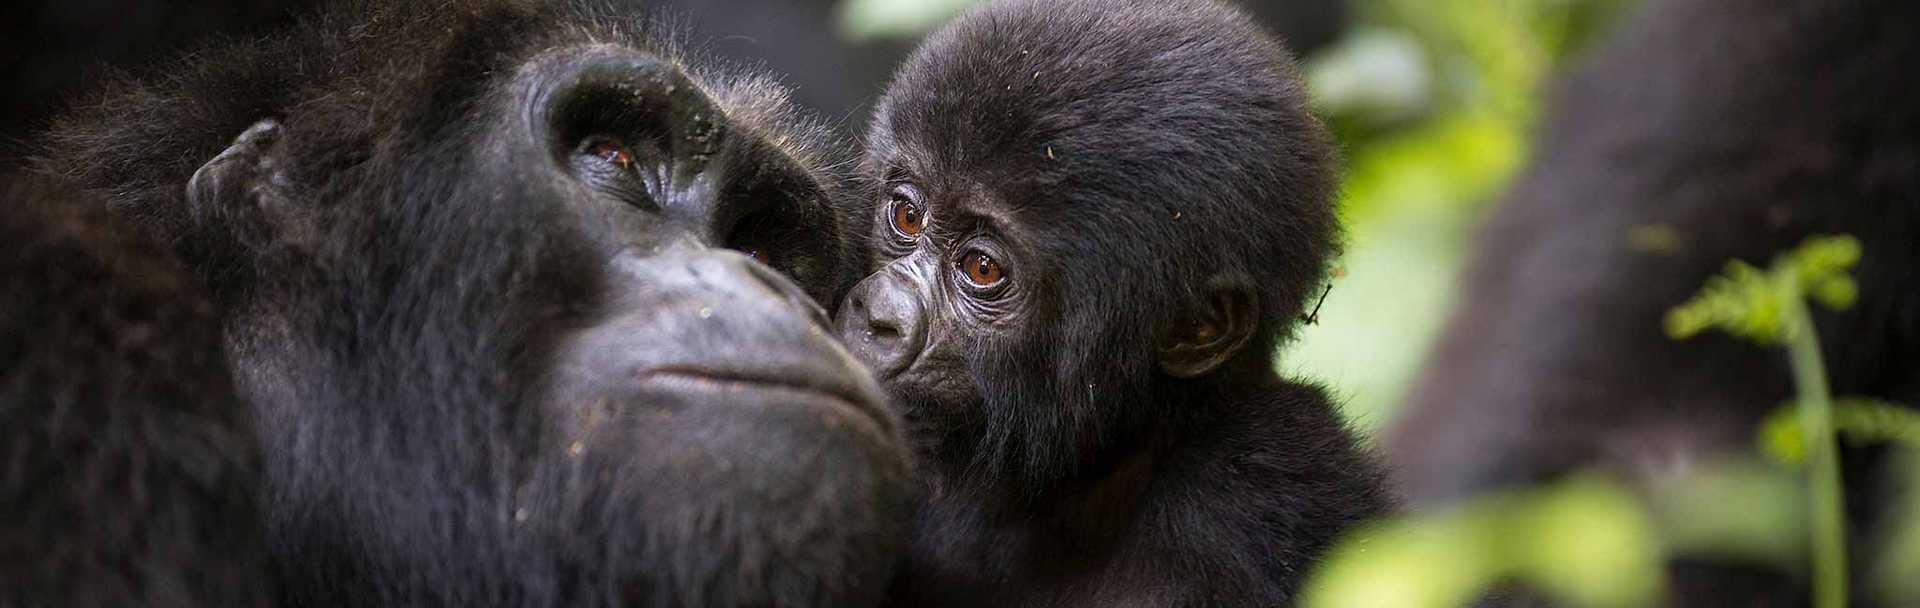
{"x": 460, "y": 257}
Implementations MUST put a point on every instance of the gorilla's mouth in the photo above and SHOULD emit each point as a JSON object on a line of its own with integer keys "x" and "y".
{"x": 821, "y": 387}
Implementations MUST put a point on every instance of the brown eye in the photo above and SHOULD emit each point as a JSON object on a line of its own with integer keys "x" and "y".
{"x": 612, "y": 152}
{"x": 981, "y": 270}
{"x": 908, "y": 220}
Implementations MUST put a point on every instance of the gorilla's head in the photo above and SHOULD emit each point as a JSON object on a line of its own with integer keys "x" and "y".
{"x": 471, "y": 263}
{"x": 1086, "y": 214}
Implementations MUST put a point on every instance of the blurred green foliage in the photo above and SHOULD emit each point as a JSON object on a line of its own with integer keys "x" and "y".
{"x": 861, "y": 20}
{"x": 1584, "y": 540}
{"x": 1857, "y": 420}
{"x": 1747, "y": 510}
{"x": 1753, "y": 304}
{"x": 1770, "y": 307}
{"x": 1895, "y": 580}
{"x": 1590, "y": 543}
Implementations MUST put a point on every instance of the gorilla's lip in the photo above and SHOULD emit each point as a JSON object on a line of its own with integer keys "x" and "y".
{"x": 820, "y": 386}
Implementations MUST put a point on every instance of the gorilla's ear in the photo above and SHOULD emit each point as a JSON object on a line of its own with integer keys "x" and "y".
{"x": 238, "y": 177}
{"x": 1195, "y": 347}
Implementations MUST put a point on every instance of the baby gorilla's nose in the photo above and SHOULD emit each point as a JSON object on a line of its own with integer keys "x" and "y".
{"x": 882, "y": 323}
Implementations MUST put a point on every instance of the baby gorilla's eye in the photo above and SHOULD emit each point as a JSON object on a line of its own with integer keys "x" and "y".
{"x": 907, "y": 217}
{"x": 612, "y": 151}
{"x": 981, "y": 270}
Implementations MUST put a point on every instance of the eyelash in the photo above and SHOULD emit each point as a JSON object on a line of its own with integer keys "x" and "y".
{"x": 611, "y": 151}
{"x": 609, "y": 164}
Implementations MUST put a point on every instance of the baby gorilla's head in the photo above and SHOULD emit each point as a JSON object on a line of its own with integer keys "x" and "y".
{"x": 1083, "y": 205}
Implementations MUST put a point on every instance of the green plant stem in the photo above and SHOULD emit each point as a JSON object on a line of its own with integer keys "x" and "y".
{"x": 1823, "y": 466}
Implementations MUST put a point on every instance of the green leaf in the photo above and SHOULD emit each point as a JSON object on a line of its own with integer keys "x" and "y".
{"x": 1856, "y": 420}
{"x": 1746, "y": 302}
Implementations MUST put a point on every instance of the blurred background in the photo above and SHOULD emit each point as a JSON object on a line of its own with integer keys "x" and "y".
{"x": 1431, "y": 99}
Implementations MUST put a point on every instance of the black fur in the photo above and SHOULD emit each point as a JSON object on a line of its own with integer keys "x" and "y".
{"x": 491, "y": 360}
{"x": 129, "y": 473}
{"x": 1744, "y": 126}
{"x": 1125, "y": 161}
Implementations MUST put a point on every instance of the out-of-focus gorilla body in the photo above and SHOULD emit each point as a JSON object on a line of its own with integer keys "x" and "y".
{"x": 1097, "y": 220}
{"x": 129, "y": 474}
{"x": 463, "y": 261}
{"x": 1740, "y": 127}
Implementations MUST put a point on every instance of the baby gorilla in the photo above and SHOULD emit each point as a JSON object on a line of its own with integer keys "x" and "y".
{"x": 1097, "y": 221}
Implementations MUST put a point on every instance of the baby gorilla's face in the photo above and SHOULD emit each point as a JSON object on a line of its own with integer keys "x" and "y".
{"x": 956, "y": 283}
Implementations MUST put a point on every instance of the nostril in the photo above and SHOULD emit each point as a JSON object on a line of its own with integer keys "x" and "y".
{"x": 883, "y": 329}
{"x": 882, "y": 324}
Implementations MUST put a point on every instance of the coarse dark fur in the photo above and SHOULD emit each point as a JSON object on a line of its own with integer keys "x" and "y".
{"x": 1138, "y": 169}
{"x": 464, "y": 261}
{"x": 1741, "y": 127}
{"x": 129, "y": 474}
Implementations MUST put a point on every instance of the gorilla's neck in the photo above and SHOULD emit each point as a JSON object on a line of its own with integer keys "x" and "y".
{"x": 1113, "y": 459}
{"x": 1066, "y": 525}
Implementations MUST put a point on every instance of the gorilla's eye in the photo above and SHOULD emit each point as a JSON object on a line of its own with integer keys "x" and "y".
{"x": 612, "y": 151}
{"x": 758, "y": 253}
{"x": 981, "y": 270}
{"x": 908, "y": 219}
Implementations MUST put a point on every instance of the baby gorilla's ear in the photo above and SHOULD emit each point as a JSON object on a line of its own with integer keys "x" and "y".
{"x": 1191, "y": 348}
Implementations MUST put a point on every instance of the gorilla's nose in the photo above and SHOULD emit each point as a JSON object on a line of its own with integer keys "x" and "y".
{"x": 882, "y": 323}
{"x": 712, "y": 328}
